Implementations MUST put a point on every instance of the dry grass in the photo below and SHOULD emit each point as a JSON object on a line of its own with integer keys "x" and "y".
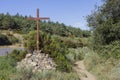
{"x": 104, "y": 69}
{"x": 44, "y": 75}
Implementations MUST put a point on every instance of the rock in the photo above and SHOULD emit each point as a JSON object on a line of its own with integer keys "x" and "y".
{"x": 28, "y": 61}
{"x": 37, "y": 61}
{"x": 28, "y": 55}
{"x": 33, "y": 63}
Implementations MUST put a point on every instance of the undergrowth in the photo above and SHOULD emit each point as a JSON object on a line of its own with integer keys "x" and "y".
{"x": 103, "y": 67}
{"x": 44, "y": 75}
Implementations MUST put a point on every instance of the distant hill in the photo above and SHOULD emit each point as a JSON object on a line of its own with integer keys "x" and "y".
{"x": 20, "y": 24}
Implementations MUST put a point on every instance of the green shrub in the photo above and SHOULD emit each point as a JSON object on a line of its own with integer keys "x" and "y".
{"x": 72, "y": 42}
{"x": 57, "y": 50}
{"x": 104, "y": 67}
{"x": 91, "y": 58}
{"x": 7, "y": 39}
{"x": 51, "y": 45}
{"x": 18, "y": 55}
{"x": 4, "y": 40}
{"x": 44, "y": 75}
{"x": 12, "y": 39}
{"x": 86, "y": 33}
{"x": 111, "y": 50}
{"x": 84, "y": 42}
{"x": 115, "y": 72}
{"x": 7, "y": 67}
{"x": 76, "y": 54}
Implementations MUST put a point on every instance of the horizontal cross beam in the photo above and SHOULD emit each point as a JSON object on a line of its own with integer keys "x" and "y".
{"x": 43, "y": 18}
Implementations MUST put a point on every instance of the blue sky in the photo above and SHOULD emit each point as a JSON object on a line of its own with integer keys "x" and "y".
{"x": 69, "y": 12}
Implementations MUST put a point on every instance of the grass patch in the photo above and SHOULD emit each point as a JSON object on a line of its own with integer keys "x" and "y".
{"x": 44, "y": 75}
{"x": 76, "y": 54}
{"x": 7, "y": 67}
{"x": 104, "y": 69}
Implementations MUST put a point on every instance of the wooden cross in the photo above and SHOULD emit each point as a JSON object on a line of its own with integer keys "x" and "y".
{"x": 37, "y": 20}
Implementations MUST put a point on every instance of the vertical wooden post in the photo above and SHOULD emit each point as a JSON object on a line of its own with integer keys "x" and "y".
{"x": 37, "y": 31}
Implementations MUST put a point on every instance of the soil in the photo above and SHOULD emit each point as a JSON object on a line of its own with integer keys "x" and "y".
{"x": 82, "y": 72}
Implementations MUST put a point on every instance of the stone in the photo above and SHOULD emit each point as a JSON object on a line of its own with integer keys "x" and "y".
{"x": 29, "y": 61}
{"x": 37, "y": 62}
{"x": 28, "y": 55}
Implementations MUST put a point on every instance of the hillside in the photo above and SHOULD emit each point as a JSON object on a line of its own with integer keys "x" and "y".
{"x": 55, "y": 40}
{"x": 66, "y": 53}
{"x": 21, "y": 24}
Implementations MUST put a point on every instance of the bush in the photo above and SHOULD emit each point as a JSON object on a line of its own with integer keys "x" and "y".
{"x": 4, "y": 40}
{"x": 51, "y": 45}
{"x": 72, "y": 42}
{"x": 115, "y": 72}
{"x": 8, "y": 64}
{"x": 112, "y": 50}
{"x": 12, "y": 39}
{"x": 104, "y": 67}
{"x": 44, "y": 75}
{"x": 18, "y": 55}
{"x": 86, "y": 33}
{"x": 7, "y": 39}
{"x": 76, "y": 54}
{"x": 7, "y": 67}
{"x": 9, "y": 72}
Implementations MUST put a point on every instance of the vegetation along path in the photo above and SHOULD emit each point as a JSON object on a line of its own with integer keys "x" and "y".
{"x": 82, "y": 72}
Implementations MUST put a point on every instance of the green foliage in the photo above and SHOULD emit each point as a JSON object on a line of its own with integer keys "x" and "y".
{"x": 12, "y": 39}
{"x": 83, "y": 42}
{"x": 20, "y": 24}
{"x": 30, "y": 41}
{"x": 91, "y": 59}
{"x": 76, "y": 54}
{"x": 60, "y": 29}
{"x": 115, "y": 72}
{"x": 44, "y": 75}
{"x": 51, "y": 45}
{"x": 7, "y": 67}
{"x": 110, "y": 51}
{"x": 71, "y": 42}
{"x": 18, "y": 55}
{"x": 9, "y": 22}
{"x": 4, "y": 40}
{"x": 107, "y": 33}
{"x": 106, "y": 22}
{"x": 9, "y": 72}
{"x": 86, "y": 33}
{"x": 7, "y": 39}
{"x": 103, "y": 68}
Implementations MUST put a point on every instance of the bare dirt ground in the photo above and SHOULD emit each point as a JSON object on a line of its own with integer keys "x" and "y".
{"x": 82, "y": 72}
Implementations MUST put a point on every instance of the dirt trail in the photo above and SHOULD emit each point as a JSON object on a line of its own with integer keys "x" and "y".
{"x": 82, "y": 72}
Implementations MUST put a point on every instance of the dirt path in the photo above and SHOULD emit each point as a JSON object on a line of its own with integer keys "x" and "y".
{"x": 82, "y": 72}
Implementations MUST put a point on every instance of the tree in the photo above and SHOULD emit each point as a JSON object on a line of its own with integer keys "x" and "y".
{"x": 105, "y": 22}
{"x": 1, "y": 20}
{"x": 8, "y": 22}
